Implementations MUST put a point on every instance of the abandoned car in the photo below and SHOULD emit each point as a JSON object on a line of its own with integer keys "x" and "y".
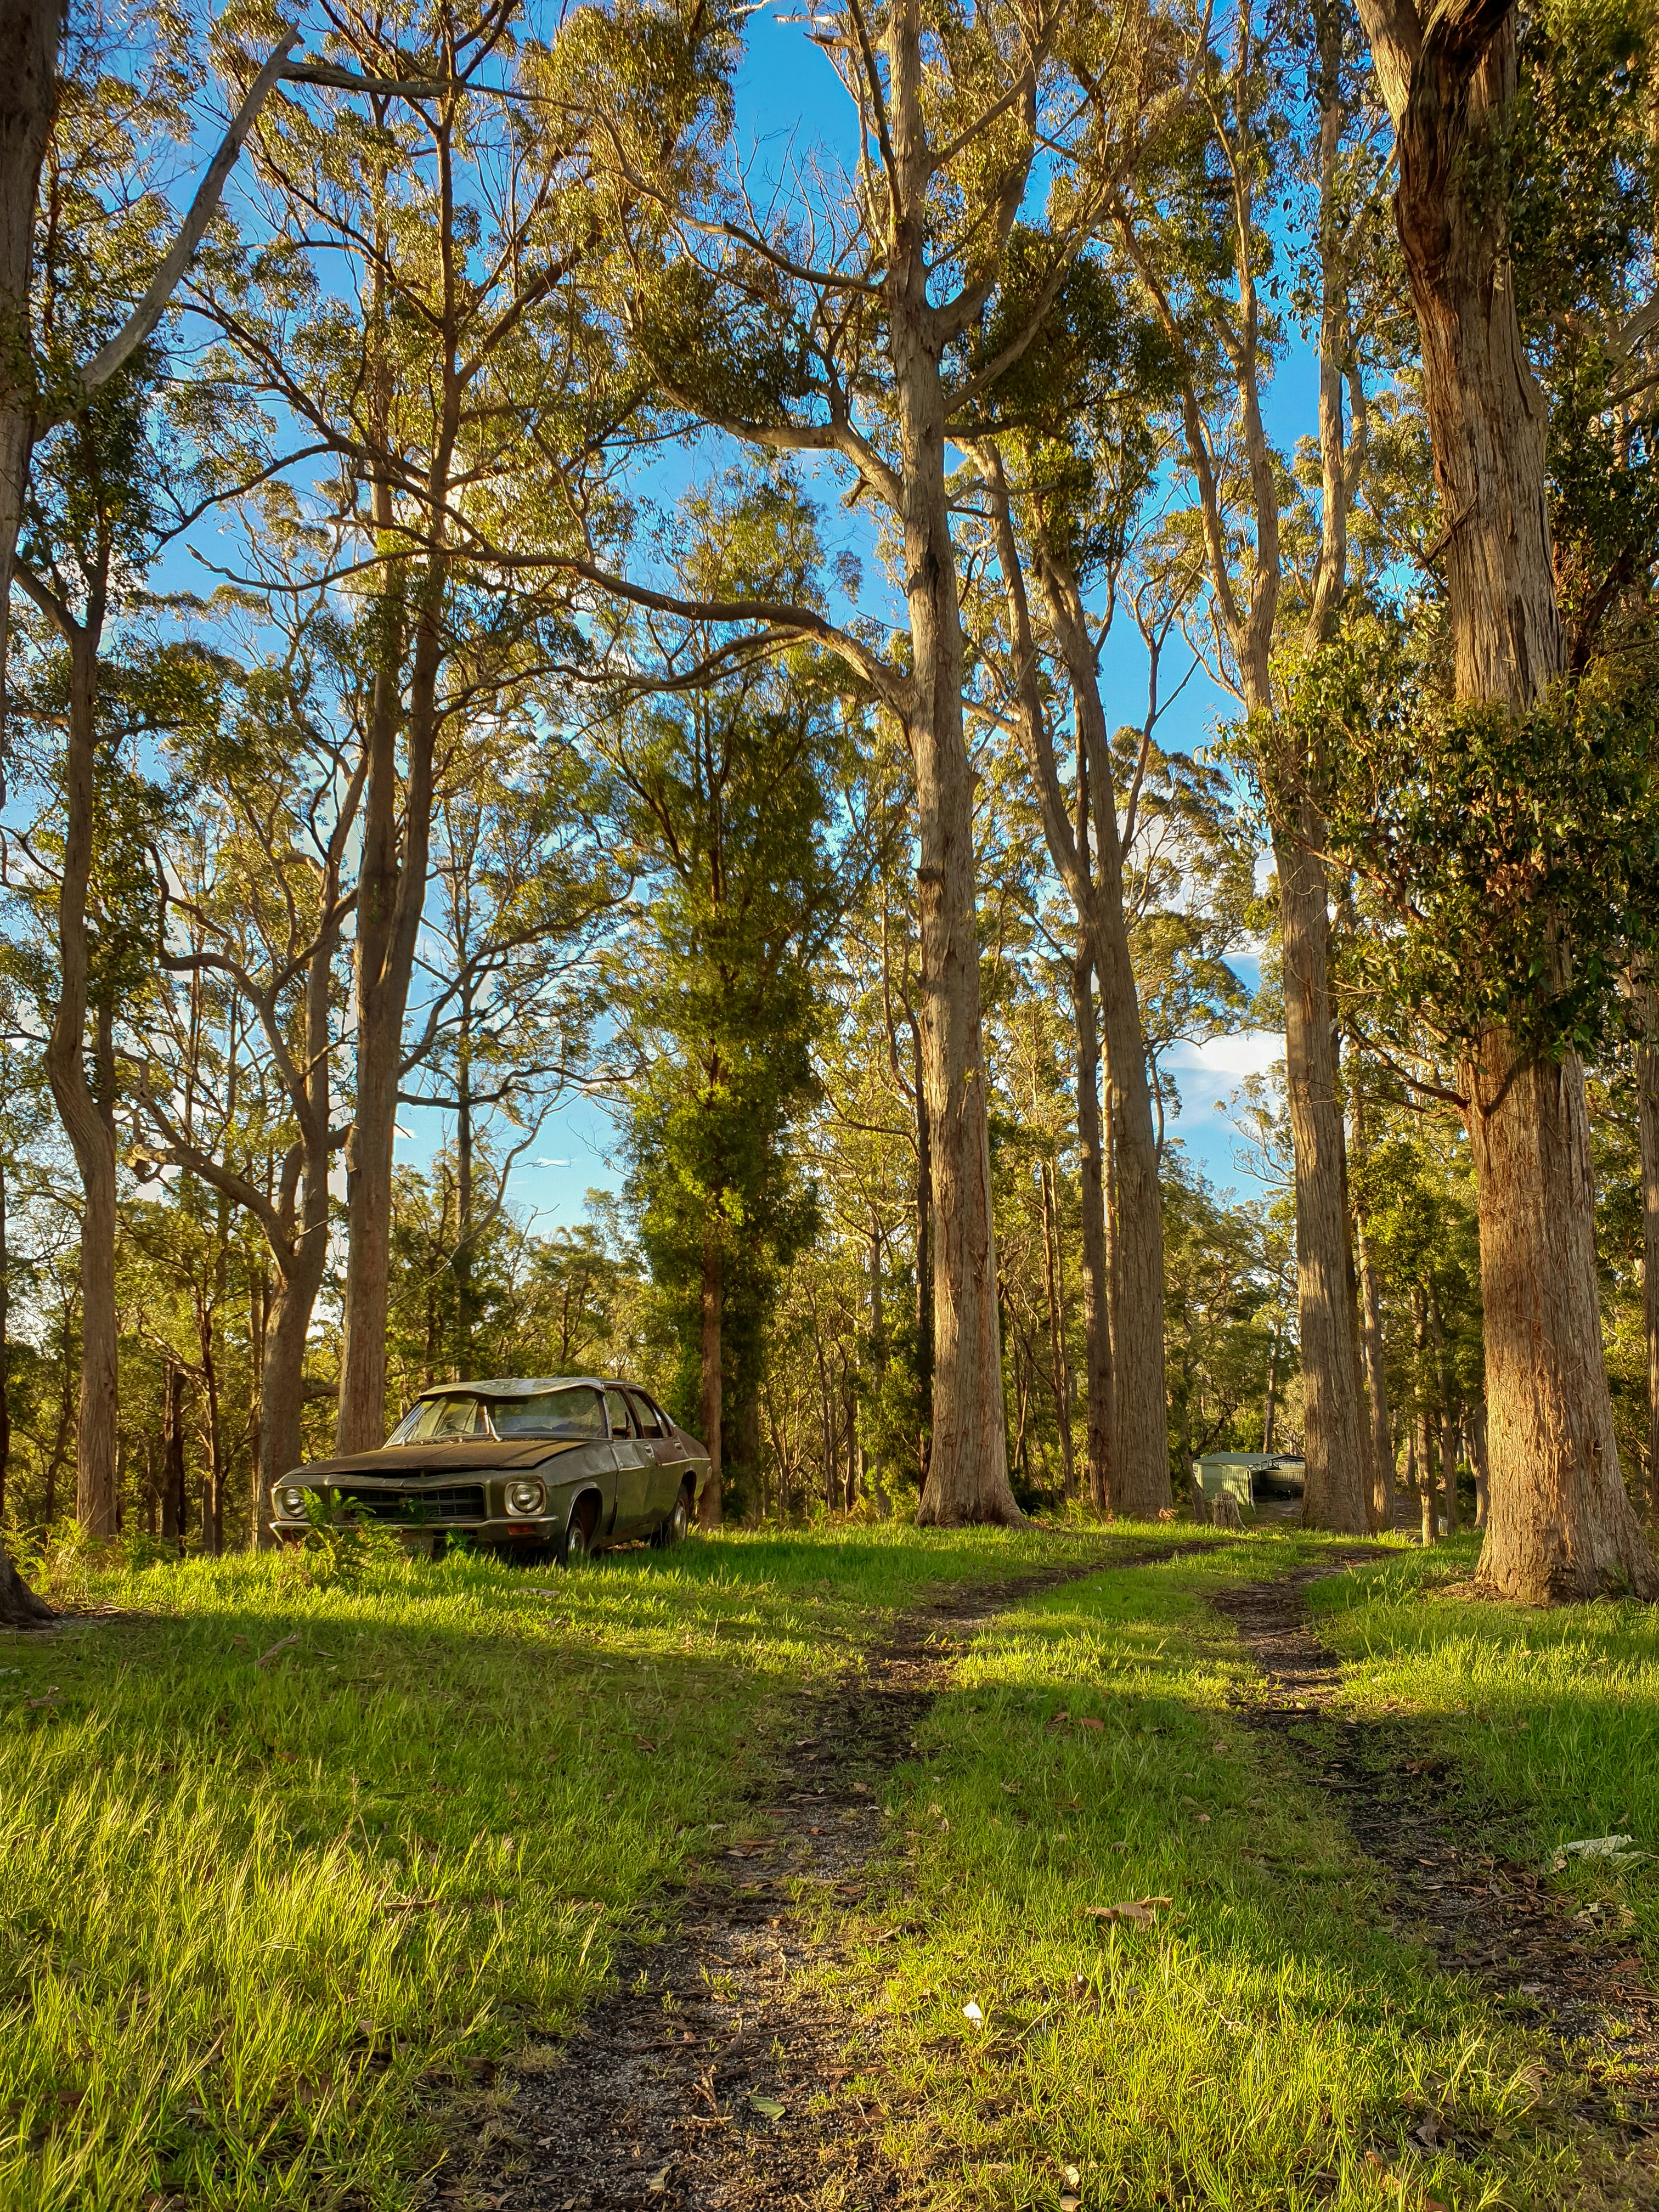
{"x": 559, "y": 1466}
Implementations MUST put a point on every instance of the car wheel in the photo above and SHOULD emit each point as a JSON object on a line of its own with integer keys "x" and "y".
{"x": 577, "y": 1542}
{"x": 673, "y": 1530}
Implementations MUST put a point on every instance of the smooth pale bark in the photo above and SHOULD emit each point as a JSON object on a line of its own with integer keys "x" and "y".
{"x": 1096, "y": 1292}
{"x": 713, "y": 1297}
{"x": 968, "y": 1464}
{"x": 1092, "y": 872}
{"x": 1246, "y": 598}
{"x": 1140, "y": 1434}
{"x": 1559, "y": 1525}
{"x": 392, "y": 885}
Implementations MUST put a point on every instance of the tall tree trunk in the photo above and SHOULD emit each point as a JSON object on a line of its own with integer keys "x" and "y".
{"x": 713, "y": 1294}
{"x": 1140, "y": 1433}
{"x": 1095, "y": 884}
{"x": 1431, "y": 1531}
{"x": 1096, "y": 1292}
{"x": 391, "y": 884}
{"x": 967, "y": 1467}
{"x": 1334, "y": 1440}
{"x": 1559, "y": 1525}
{"x": 1270, "y": 1406}
{"x": 175, "y": 1496}
{"x": 1478, "y": 1455}
{"x": 29, "y": 33}
{"x": 924, "y": 1258}
{"x": 466, "y": 1298}
{"x": 5, "y": 1346}
{"x": 1422, "y": 1420}
{"x": 87, "y": 1113}
{"x": 1060, "y": 1377}
{"x": 1372, "y": 1344}
{"x": 1647, "y": 1124}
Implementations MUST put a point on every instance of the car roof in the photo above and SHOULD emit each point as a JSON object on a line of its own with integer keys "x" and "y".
{"x": 520, "y": 1386}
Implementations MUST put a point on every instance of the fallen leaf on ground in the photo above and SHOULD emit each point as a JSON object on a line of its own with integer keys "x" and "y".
{"x": 265, "y": 1657}
{"x": 1140, "y": 1913}
{"x": 1088, "y": 1721}
{"x": 971, "y": 2011}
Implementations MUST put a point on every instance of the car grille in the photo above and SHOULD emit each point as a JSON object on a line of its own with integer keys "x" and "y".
{"x": 464, "y": 1501}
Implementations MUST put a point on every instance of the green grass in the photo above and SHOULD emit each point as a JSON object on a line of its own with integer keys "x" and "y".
{"x": 1268, "y": 2043}
{"x": 1554, "y": 1715}
{"x": 257, "y": 1923}
{"x": 253, "y": 1916}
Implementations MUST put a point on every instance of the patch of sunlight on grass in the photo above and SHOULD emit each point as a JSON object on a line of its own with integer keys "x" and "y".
{"x": 1266, "y": 2043}
{"x": 1554, "y": 1714}
{"x": 256, "y": 1915}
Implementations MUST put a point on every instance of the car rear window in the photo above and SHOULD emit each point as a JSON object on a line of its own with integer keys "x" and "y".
{"x": 646, "y": 1415}
{"x": 574, "y": 1413}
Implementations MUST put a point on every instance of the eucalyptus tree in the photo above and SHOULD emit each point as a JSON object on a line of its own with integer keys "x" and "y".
{"x": 1207, "y": 280}
{"x": 256, "y": 893}
{"x": 1526, "y": 726}
{"x": 510, "y": 956}
{"x": 862, "y": 319}
{"x": 413, "y": 310}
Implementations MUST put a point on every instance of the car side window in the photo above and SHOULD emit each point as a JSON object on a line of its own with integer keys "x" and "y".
{"x": 615, "y": 1408}
{"x": 646, "y": 1415}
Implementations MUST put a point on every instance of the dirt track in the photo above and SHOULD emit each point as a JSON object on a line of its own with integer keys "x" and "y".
{"x": 711, "y": 2078}
{"x": 1454, "y": 1867}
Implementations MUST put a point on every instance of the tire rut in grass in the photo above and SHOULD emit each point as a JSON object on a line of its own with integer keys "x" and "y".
{"x": 1453, "y": 1864}
{"x": 711, "y": 2076}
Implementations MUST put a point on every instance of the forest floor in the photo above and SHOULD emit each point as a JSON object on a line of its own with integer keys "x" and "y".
{"x": 865, "y": 1868}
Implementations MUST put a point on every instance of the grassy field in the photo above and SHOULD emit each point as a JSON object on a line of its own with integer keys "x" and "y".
{"x": 288, "y": 1849}
{"x": 1266, "y": 2043}
{"x": 287, "y": 1846}
{"x": 1556, "y": 1714}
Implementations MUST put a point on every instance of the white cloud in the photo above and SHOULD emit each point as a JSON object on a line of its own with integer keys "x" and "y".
{"x": 1249, "y": 1052}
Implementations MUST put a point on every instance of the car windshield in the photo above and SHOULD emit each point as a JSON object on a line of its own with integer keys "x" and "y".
{"x": 432, "y": 1419}
{"x": 572, "y": 1412}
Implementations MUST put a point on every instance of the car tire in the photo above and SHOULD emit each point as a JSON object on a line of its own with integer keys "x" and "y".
{"x": 676, "y": 1527}
{"x": 576, "y": 1545}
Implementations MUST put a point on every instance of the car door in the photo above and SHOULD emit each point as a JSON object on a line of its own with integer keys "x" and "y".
{"x": 667, "y": 1461}
{"x": 635, "y": 1467}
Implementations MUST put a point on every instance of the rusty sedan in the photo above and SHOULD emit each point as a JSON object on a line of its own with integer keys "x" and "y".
{"x": 558, "y": 1466}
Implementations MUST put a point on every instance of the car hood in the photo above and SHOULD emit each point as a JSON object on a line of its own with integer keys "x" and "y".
{"x": 400, "y": 1462}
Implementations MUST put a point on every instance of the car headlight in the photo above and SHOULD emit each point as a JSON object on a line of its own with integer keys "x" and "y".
{"x": 524, "y": 1497}
{"x": 290, "y": 1499}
